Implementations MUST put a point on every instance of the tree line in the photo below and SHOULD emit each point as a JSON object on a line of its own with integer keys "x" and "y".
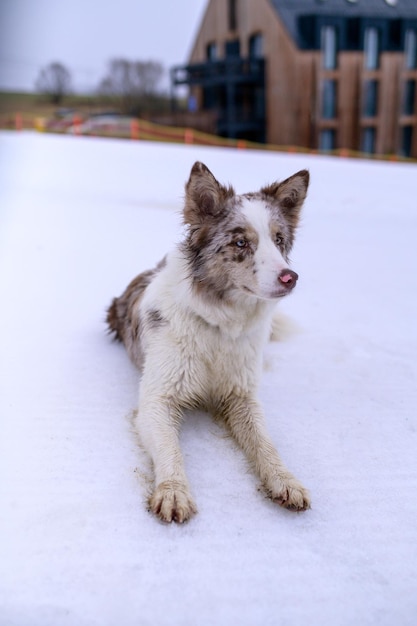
{"x": 133, "y": 87}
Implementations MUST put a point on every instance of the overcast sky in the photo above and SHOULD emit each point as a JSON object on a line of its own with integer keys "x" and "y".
{"x": 85, "y": 34}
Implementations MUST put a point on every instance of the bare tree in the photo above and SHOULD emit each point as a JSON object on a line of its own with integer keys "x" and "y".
{"x": 148, "y": 75}
{"x": 135, "y": 84}
{"x": 54, "y": 81}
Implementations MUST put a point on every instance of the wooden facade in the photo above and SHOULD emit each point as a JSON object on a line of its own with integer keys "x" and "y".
{"x": 362, "y": 99}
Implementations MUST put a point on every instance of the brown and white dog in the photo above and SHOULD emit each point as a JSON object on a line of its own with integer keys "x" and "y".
{"x": 196, "y": 326}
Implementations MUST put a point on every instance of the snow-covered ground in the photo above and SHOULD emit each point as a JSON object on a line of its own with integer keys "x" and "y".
{"x": 79, "y": 218}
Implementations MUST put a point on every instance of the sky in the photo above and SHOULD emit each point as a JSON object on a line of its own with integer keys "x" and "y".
{"x": 85, "y": 34}
{"x": 79, "y": 218}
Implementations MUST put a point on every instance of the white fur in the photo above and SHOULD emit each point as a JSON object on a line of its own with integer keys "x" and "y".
{"x": 196, "y": 326}
{"x": 209, "y": 355}
{"x": 268, "y": 258}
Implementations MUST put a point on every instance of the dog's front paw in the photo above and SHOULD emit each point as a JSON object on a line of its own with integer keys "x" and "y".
{"x": 290, "y": 494}
{"x": 171, "y": 502}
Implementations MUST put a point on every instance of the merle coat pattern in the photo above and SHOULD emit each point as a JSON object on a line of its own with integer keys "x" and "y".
{"x": 196, "y": 326}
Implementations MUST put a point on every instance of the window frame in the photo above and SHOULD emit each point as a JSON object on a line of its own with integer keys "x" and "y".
{"x": 371, "y": 47}
{"x": 256, "y": 40}
{"x": 407, "y": 135}
{"x": 368, "y": 140}
{"x": 370, "y": 94}
{"x": 329, "y": 99}
{"x": 327, "y": 140}
{"x": 410, "y": 48}
{"x": 409, "y": 97}
{"x": 212, "y": 51}
{"x": 329, "y": 46}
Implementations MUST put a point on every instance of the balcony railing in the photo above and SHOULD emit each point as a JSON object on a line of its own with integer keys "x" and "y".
{"x": 212, "y": 73}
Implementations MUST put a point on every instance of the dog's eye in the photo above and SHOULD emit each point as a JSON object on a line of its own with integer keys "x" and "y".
{"x": 241, "y": 243}
{"x": 279, "y": 240}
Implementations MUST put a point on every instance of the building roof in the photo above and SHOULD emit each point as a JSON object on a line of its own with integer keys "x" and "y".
{"x": 348, "y": 8}
{"x": 295, "y": 13}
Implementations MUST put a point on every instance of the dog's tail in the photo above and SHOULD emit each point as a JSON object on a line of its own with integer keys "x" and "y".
{"x": 115, "y": 318}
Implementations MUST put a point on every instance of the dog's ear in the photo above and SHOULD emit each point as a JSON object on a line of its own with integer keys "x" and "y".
{"x": 290, "y": 194}
{"x": 204, "y": 196}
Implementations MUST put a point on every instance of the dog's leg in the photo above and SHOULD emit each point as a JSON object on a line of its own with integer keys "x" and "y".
{"x": 157, "y": 424}
{"x": 245, "y": 419}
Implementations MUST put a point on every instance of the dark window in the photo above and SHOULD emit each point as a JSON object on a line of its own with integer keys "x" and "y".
{"x": 371, "y": 48}
{"x": 327, "y": 139}
{"x": 353, "y": 32}
{"x": 211, "y": 98}
{"x": 368, "y": 140}
{"x": 233, "y": 48}
{"x": 329, "y": 99}
{"x": 232, "y": 15}
{"x": 211, "y": 52}
{"x": 370, "y": 98}
{"x": 409, "y": 97}
{"x": 410, "y": 46}
{"x": 394, "y": 34}
{"x": 256, "y": 46}
{"x": 406, "y": 140}
{"x": 307, "y": 29}
{"x": 329, "y": 47}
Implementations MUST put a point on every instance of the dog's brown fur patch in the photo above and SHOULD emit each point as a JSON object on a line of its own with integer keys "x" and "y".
{"x": 123, "y": 314}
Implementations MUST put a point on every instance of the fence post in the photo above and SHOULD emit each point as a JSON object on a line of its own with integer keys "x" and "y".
{"x": 134, "y": 129}
{"x": 188, "y": 136}
{"x": 18, "y": 121}
{"x": 77, "y": 125}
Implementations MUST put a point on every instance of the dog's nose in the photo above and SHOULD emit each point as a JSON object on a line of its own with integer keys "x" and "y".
{"x": 288, "y": 278}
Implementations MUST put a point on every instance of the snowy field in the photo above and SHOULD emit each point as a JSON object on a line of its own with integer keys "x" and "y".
{"x": 79, "y": 218}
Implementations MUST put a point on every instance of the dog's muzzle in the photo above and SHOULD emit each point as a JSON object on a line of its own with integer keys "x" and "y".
{"x": 288, "y": 279}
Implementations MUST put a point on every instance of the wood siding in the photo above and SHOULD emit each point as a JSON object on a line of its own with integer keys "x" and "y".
{"x": 295, "y": 78}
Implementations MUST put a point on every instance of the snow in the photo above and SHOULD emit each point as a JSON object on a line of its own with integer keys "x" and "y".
{"x": 79, "y": 218}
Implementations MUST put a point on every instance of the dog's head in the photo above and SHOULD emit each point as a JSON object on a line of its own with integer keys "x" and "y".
{"x": 241, "y": 242}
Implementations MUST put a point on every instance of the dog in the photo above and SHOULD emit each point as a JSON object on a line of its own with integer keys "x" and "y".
{"x": 196, "y": 326}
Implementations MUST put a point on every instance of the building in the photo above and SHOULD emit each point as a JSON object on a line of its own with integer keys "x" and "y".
{"x": 323, "y": 74}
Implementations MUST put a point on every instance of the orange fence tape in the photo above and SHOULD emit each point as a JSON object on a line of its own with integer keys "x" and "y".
{"x": 143, "y": 130}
